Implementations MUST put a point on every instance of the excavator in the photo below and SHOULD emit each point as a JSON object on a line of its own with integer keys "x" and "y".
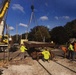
{"x": 4, "y": 5}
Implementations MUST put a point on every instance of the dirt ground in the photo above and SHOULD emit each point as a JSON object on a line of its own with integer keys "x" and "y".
{"x": 28, "y": 66}
{"x": 24, "y": 67}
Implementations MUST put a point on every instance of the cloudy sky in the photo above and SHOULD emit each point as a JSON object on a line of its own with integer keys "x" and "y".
{"x": 50, "y": 13}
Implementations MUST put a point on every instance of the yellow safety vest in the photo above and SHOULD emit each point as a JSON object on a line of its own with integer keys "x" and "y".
{"x": 22, "y": 48}
{"x": 46, "y": 54}
{"x": 71, "y": 47}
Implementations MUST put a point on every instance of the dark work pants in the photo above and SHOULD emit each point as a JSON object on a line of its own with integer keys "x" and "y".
{"x": 23, "y": 54}
{"x": 71, "y": 54}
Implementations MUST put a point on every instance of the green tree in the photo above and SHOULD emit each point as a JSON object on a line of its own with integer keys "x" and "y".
{"x": 59, "y": 35}
{"x": 16, "y": 38}
{"x": 39, "y": 33}
{"x": 70, "y": 27}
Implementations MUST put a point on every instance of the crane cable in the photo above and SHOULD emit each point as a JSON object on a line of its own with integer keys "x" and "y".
{"x": 38, "y": 28}
{"x": 36, "y": 21}
{"x": 33, "y": 16}
{"x": 29, "y": 24}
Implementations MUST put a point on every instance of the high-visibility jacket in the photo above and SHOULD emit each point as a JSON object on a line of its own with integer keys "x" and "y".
{"x": 23, "y": 48}
{"x": 46, "y": 54}
{"x": 71, "y": 47}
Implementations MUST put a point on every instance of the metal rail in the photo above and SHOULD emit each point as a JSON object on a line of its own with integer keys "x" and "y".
{"x": 44, "y": 68}
{"x": 64, "y": 66}
{"x": 16, "y": 55}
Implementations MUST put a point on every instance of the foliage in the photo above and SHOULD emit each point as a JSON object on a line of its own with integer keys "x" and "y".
{"x": 39, "y": 33}
{"x": 16, "y": 39}
{"x": 59, "y": 35}
{"x": 70, "y": 27}
{"x": 23, "y": 36}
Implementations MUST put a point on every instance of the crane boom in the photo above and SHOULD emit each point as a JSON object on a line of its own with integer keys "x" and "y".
{"x": 4, "y": 8}
{"x": 4, "y": 4}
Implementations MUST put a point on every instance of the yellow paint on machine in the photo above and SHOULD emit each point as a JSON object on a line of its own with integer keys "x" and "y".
{"x": 4, "y": 9}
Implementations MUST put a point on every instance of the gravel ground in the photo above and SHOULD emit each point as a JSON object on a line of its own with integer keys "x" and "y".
{"x": 59, "y": 69}
{"x": 59, "y": 66}
{"x": 31, "y": 67}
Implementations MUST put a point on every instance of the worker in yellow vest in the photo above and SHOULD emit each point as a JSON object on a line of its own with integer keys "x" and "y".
{"x": 71, "y": 51}
{"x": 46, "y": 54}
{"x": 23, "y": 51}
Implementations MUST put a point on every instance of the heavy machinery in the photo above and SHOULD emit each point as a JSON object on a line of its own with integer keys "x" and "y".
{"x": 35, "y": 47}
{"x": 4, "y": 5}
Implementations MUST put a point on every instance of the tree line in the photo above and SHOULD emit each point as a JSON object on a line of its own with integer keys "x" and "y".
{"x": 59, "y": 34}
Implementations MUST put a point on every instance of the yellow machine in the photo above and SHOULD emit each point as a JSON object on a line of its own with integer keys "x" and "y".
{"x": 3, "y": 8}
{"x": 4, "y": 5}
{"x": 23, "y": 40}
{"x": 4, "y": 39}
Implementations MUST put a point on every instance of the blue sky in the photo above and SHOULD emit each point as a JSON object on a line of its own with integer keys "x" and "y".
{"x": 50, "y": 13}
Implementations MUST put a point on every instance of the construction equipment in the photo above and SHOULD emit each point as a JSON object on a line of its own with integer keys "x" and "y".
{"x": 3, "y": 8}
{"x": 34, "y": 44}
{"x": 4, "y": 4}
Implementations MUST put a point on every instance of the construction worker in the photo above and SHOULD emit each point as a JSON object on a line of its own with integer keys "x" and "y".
{"x": 46, "y": 54}
{"x": 64, "y": 50}
{"x": 22, "y": 49}
{"x": 71, "y": 51}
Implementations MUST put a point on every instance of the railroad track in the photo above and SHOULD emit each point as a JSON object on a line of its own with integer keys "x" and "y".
{"x": 53, "y": 65}
{"x": 48, "y": 66}
{"x": 43, "y": 64}
{"x": 65, "y": 66}
{"x": 45, "y": 68}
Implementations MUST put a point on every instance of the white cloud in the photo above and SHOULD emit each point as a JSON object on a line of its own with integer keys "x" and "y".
{"x": 56, "y": 17}
{"x": 66, "y": 17}
{"x": 48, "y": 26}
{"x": 18, "y": 7}
{"x": 11, "y": 28}
{"x": 62, "y": 17}
{"x": 24, "y": 25}
{"x": 43, "y": 18}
